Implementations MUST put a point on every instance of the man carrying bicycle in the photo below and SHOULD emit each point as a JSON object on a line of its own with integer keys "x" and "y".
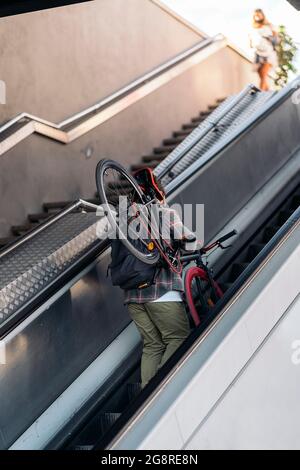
{"x": 148, "y": 266}
{"x": 158, "y": 310}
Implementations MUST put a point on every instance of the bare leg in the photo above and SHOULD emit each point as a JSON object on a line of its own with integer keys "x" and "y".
{"x": 263, "y": 73}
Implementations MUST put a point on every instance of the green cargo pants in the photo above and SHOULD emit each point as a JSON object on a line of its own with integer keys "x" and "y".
{"x": 163, "y": 327}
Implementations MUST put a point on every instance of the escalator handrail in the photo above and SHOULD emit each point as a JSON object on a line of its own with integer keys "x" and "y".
{"x": 273, "y": 103}
{"x": 212, "y": 123}
{"x": 43, "y": 226}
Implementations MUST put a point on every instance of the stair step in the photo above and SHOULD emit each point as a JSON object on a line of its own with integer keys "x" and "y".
{"x": 220, "y": 100}
{"x": 212, "y": 107}
{"x": 122, "y": 184}
{"x": 197, "y": 120}
{"x": 269, "y": 232}
{"x": 183, "y": 134}
{"x": 140, "y": 166}
{"x": 173, "y": 141}
{"x": 107, "y": 420}
{"x": 164, "y": 149}
{"x": 153, "y": 158}
{"x": 204, "y": 114}
{"x": 38, "y": 217}
{"x": 189, "y": 126}
{"x": 56, "y": 206}
{"x": 6, "y": 241}
{"x": 18, "y": 230}
{"x": 254, "y": 250}
{"x": 236, "y": 270}
{"x": 133, "y": 390}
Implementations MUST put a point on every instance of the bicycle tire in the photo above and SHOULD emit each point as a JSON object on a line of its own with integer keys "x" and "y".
{"x": 192, "y": 274}
{"x": 102, "y": 167}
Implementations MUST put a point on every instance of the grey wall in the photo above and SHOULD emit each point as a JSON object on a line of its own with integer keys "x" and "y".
{"x": 59, "y": 61}
{"x": 74, "y": 56}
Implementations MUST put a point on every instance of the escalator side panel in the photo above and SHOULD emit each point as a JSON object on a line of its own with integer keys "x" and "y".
{"x": 227, "y": 183}
{"x": 216, "y": 361}
{"x": 47, "y": 353}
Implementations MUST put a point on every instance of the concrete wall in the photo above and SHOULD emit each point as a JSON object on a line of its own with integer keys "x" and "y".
{"x": 57, "y": 62}
{"x": 39, "y": 170}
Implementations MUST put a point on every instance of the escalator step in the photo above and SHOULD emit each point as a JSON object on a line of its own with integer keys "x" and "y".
{"x": 225, "y": 286}
{"x": 253, "y": 251}
{"x": 212, "y": 107}
{"x": 164, "y": 149}
{"x": 283, "y": 216}
{"x": 83, "y": 447}
{"x": 107, "y": 420}
{"x": 133, "y": 390}
{"x": 269, "y": 232}
{"x": 236, "y": 270}
{"x": 295, "y": 202}
{"x": 220, "y": 100}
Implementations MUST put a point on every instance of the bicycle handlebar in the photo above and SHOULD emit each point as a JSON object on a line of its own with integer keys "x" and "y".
{"x": 188, "y": 258}
{"x": 218, "y": 243}
{"x": 227, "y": 236}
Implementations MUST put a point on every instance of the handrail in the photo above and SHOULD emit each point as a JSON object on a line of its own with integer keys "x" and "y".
{"x": 44, "y": 225}
{"x": 212, "y": 123}
{"x": 267, "y": 108}
{"x": 25, "y": 124}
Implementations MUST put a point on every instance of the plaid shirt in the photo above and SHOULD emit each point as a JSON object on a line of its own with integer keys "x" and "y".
{"x": 166, "y": 281}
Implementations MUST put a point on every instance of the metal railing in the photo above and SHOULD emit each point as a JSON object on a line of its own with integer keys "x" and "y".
{"x": 24, "y": 125}
{"x": 212, "y": 124}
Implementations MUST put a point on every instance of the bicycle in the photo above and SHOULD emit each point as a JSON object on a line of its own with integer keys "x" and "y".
{"x": 201, "y": 290}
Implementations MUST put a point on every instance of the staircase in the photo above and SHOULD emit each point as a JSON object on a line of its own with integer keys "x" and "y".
{"x": 150, "y": 161}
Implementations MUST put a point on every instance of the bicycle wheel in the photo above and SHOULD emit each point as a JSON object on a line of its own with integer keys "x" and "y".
{"x": 201, "y": 294}
{"x": 113, "y": 182}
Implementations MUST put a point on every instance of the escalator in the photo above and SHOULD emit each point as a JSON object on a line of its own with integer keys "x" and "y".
{"x": 60, "y": 319}
{"x": 97, "y": 428}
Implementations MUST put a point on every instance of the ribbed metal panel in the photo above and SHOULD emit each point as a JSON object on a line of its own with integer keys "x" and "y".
{"x": 226, "y": 126}
{"x": 30, "y": 267}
